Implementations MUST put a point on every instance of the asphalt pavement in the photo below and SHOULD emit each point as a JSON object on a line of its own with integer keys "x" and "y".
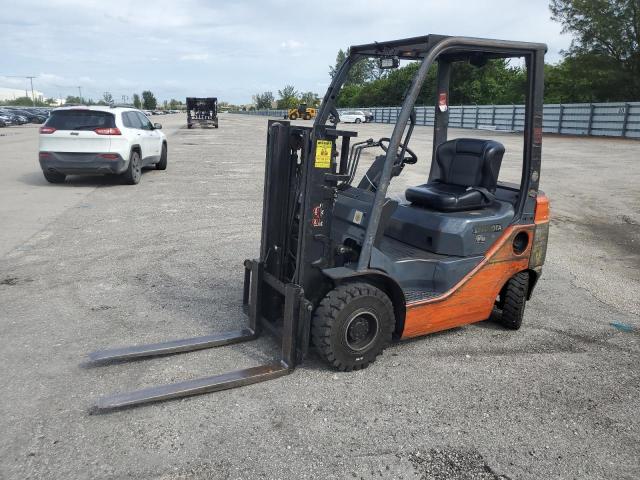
{"x": 94, "y": 263}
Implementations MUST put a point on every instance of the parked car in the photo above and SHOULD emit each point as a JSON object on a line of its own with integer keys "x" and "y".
{"x": 30, "y": 117}
{"x": 148, "y": 113}
{"x": 97, "y": 139}
{"x": 5, "y": 120}
{"x": 15, "y": 119}
{"x": 353, "y": 116}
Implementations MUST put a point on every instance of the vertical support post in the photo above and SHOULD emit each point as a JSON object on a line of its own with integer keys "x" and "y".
{"x": 255, "y": 298}
{"x": 344, "y": 154}
{"x": 247, "y": 283}
{"x": 560, "y": 118}
{"x": 493, "y": 115}
{"x": 590, "y": 124}
{"x": 290, "y": 323}
{"x": 625, "y": 121}
{"x": 440, "y": 118}
{"x": 476, "y": 121}
{"x": 513, "y": 118}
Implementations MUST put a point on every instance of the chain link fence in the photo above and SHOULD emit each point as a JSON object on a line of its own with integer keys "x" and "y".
{"x": 602, "y": 119}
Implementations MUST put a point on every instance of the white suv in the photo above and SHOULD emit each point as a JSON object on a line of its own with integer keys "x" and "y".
{"x": 353, "y": 116}
{"x": 90, "y": 140}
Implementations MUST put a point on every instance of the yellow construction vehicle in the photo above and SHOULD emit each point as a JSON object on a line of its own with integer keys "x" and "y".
{"x": 302, "y": 111}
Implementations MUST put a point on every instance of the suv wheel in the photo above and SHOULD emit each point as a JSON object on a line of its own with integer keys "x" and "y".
{"x": 54, "y": 177}
{"x": 134, "y": 170}
{"x": 162, "y": 164}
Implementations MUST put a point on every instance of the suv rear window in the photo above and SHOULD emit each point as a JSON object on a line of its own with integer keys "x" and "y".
{"x": 80, "y": 120}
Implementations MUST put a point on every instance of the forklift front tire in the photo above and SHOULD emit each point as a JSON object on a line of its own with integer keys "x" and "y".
{"x": 513, "y": 298}
{"x": 353, "y": 325}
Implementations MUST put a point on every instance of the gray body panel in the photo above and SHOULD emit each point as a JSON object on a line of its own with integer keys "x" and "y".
{"x": 71, "y": 163}
{"x": 82, "y": 163}
{"x": 462, "y": 234}
{"x": 425, "y": 251}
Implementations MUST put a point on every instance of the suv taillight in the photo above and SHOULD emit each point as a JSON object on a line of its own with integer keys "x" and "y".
{"x": 47, "y": 130}
{"x": 107, "y": 131}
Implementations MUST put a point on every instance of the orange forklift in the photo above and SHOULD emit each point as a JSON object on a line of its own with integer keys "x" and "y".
{"x": 345, "y": 268}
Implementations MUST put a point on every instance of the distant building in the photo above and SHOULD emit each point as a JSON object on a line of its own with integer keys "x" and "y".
{"x": 13, "y": 93}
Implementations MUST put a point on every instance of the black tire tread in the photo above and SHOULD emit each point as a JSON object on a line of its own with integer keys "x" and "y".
{"x": 54, "y": 177}
{"x": 514, "y": 300}
{"x": 162, "y": 164}
{"x": 128, "y": 177}
{"x": 326, "y": 315}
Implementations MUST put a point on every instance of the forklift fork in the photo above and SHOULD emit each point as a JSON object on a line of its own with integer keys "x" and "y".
{"x": 294, "y": 306}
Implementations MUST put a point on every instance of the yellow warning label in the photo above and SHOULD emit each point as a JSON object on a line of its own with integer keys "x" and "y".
{"x": 323, "y": 154}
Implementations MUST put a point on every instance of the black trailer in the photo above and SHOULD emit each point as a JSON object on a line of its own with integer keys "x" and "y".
{"x": 202, "y": 112}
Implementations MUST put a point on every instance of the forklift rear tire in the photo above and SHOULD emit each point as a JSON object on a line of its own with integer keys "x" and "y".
{"x": 293, "y": 116}
{"x": 513, "y": 298}
{"x": 353, "y": 325}
{"x": 307, "y": 117}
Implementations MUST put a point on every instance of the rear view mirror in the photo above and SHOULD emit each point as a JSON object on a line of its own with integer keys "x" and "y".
{"x": 385, "y": 63}
{"x": 157, "y": 126}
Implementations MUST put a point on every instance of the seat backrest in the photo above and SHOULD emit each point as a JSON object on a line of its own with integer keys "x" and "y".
{"x": 470, "y": 162}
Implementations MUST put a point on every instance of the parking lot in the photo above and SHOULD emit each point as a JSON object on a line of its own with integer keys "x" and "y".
{"x": 93, "y": 263}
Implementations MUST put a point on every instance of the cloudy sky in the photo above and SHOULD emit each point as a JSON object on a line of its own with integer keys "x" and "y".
{"x": 229, "y": 49}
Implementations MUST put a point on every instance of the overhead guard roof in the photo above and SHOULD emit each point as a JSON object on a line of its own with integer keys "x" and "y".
{"x": 418, "y": 47}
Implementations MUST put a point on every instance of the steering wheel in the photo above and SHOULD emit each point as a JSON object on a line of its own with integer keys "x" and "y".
{"x": 410, "y": 160}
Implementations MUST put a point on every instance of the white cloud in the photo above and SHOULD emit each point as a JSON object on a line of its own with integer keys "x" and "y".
{"x": 231, "y": 50}
{"x": 196, "y": 57}
{"x": 292, "y": 45}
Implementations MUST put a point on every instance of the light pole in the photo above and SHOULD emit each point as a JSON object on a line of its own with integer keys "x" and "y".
{"x": 30, "y": 78}
{"x": 80, "y": 93}
{"x": 33, "y": 97}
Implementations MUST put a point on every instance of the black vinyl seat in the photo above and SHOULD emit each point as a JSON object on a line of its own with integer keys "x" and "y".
{"x": 467, "y": 178}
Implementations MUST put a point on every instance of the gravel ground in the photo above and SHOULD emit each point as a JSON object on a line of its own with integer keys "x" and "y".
{"x": 93, "y": 263}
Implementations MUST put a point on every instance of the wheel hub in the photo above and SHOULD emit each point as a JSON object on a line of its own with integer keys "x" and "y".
{"x": 361, "y": 329}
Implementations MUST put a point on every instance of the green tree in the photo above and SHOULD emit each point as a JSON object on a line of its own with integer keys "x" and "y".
{"x": 149, "y": 101}
{"x": 263, "y": 100}
{"x": 496, "y": 82}
{"x": 136, "y": 101}
{"x": 363, "y": 71}
{"x": 107, "y": 98}
{"x": 72, "y": 100}
{"x": 310, "y": 98}
{"x": 288, "y": 97}
{"x": 21, "y": 102}
{"x": 174, "y": 104}
{"x": 605, "y": 50}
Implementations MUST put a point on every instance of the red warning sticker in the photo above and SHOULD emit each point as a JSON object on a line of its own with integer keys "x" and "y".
{"x": 317, "y": 216}
{"x": 442, "y": 101}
